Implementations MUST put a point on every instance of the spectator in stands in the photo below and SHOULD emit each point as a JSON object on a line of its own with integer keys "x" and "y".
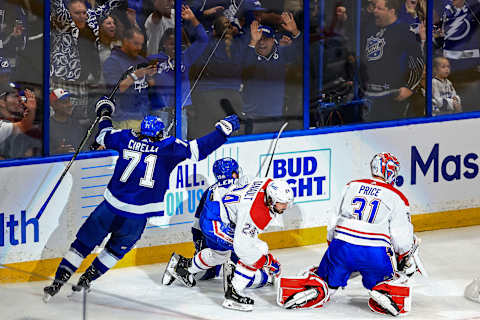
{"x": 413, "y": 13}
{"x": 13, "y": 35}
{"x": 264, "y": 75}
{"x": 239, "y": 12}
{"x": 158, "y": 21}
{"x": 338, "y": 53}
{"x": 132, "y": 95}
{"x": 74, "y": 49}
{"x": 139, "y": 10}
{"x": 408, "y": 12}
{"x": 460, "y": 25}
{"x": 444, "y": 98}
{"x": 163, "y": 95}
{"x": 63, "y": 136}
{"x": 367, "y": 10}
{"x": 338, "y": 25}
{"x": 29, "y": 63}
{"x": 5, "y": 71}
{"x": 18, "y": 137}
{"x": 416, "y": 107}
{"x": 107, "y": 39}
{"x": 392, "y": 69}
{"x": 217, "y": 93}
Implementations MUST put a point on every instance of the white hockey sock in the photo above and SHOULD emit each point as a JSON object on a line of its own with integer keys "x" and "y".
{"x": 74, "y": 258}
{"x": 208, "y": 258}
{"x": 242, "y": 277}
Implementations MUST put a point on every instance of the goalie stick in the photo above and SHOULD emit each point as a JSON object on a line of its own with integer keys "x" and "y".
{"x": 416, "y": 257}
{"x": 84, "y": 140}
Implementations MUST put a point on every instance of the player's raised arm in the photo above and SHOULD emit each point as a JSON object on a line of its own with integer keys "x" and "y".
{"x": 200, "y": 148}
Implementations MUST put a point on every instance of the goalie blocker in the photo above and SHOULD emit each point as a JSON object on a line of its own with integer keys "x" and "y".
{"x": 311, "y": 291}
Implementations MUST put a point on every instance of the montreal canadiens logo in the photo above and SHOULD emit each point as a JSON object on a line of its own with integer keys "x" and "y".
{"x": 374, "y": 48}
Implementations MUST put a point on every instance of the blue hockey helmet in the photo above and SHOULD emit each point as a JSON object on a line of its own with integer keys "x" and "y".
{"x": 152, "y": 126}
{"x": 224, "y": 168}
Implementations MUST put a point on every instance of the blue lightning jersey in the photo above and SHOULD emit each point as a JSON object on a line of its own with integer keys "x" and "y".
{"x": 141, "y": 176}
{"x": 461, "y": 27}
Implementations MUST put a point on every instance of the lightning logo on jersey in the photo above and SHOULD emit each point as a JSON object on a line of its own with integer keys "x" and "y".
{"x": 457, "y": 29}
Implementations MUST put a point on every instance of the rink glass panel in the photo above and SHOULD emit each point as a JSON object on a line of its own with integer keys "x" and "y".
{"x": 229, "y": 77}
{"x": 356, "y": 70}
{"x": 21, "y": 69}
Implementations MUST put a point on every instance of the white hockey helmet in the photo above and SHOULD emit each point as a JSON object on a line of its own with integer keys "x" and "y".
{"x": 385, "y": 166}
{"x": 278, "y": 191}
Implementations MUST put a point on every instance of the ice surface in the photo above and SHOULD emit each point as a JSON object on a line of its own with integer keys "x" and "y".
{"x": 450, "y": 256}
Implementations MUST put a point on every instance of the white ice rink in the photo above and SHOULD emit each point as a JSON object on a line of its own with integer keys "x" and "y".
{"x": 450, "y": 256}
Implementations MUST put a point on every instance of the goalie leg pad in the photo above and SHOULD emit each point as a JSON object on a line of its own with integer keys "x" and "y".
{"x": 309, "y": 291}
{"x": 390, "y": 298}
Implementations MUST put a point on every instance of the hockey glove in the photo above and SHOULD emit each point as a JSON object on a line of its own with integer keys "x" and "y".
{"x": 410, "y": 262}
{"x": 272, "y": 266}
{"x": 104, "y": 107}
{"x": 407, "y": 265}
{"x": 228, "y": 125}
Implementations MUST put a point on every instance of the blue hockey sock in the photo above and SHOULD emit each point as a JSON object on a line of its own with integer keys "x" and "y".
{"x": 104, "y": 262}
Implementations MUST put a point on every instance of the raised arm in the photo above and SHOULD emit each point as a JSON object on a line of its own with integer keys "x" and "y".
{"x": 105, "y": 9}
{"x": 60, "y": 16}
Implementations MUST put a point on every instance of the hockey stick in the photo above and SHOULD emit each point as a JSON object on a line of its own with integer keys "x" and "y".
{"x": 420, "y": 268}
{"x": 273, "y": 151}
{"x": 82, "y": 144}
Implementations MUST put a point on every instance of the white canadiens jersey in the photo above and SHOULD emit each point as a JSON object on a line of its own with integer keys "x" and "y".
{"x": 373, "y": 213}
{"x": 245, "y": 208}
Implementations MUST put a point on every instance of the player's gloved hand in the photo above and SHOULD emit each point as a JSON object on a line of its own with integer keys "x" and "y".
{"x": 228, "y": 125}
{"x": 104, "y": 107}
{"x": 272, "y": 266}
{"x": 407, "y": 265}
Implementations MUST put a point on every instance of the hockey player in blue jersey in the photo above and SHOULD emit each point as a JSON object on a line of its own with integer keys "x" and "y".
{"x": 205, "y": 236}
{"x": 227, "y": 173}
{"x": 371, "y": 228}
{"x": 135, "y": 192}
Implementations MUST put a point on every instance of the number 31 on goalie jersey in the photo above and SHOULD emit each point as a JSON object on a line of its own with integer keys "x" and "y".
{"x": 361, "y": 205}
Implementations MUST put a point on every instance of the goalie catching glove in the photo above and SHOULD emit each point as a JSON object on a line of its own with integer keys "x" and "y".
{"x": 104, "y": 107}
{"x": 228, "y": 125}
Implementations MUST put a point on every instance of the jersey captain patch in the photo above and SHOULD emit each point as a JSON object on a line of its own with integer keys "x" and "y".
{"x": 374, "y": 48}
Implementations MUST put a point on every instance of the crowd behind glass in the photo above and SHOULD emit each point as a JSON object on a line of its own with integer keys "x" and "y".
{"x": 238, "y": 56}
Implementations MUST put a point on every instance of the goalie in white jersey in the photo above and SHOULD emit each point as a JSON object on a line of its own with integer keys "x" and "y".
{"x": 237, "y": 219}
{"x": 373, "y": 218}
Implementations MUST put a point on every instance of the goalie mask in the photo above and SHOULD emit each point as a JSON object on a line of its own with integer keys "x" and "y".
{"x": 152, "y": 127}
{"x": 278, "y": 192}
{"x": 224, "y": 170}
{"x": 385, "y": 166}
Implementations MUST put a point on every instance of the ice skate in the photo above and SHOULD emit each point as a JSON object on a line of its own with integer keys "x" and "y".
{"x": 85, "y": 281}
{"x": 54, "y": 288}
{"x": 178, "y": 268}
{"x": 228, "y": 271}
{"x": 168, "y": 277}
{"x": 234, "y": 300}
